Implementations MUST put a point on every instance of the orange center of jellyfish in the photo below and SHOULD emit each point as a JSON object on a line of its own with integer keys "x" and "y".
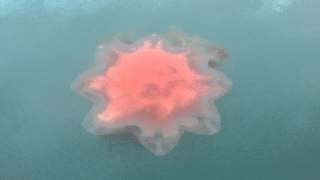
{"x": 151, "y": 82}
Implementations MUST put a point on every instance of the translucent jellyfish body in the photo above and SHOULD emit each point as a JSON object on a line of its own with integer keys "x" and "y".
{"x": 155, "y": 88}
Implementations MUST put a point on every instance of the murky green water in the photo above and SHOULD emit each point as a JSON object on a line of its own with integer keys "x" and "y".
{"x": 270, "y": 118}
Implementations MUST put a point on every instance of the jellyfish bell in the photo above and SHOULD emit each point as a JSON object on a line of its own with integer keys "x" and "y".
{"x": 156, "y": 88}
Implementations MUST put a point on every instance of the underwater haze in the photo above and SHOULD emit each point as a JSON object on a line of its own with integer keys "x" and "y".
{"x": 270, "y": 118}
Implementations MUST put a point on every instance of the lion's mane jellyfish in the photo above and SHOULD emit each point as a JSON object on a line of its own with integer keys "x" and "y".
{"x": 155, "y": 88}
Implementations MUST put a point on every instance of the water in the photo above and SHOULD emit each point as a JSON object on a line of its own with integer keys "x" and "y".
{"x": 270, "y": 118}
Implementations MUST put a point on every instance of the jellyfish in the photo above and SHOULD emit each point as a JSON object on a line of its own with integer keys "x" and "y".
{"x": 155, "y": 88}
